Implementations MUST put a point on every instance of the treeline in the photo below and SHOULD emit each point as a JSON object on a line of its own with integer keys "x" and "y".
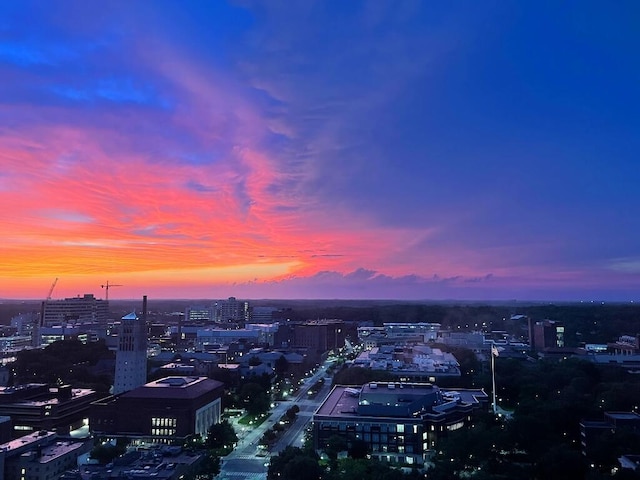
{"x": 585, "y": 323}
{"x": 66, "y": 362}
{"x": 542, "y": 439}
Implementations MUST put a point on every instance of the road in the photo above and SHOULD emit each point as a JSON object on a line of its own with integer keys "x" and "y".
{"x": 243, "y": 463}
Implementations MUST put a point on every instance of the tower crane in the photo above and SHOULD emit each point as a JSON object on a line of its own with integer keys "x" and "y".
{"x": 53, "y": 285}
{"x": 107, "y": 286}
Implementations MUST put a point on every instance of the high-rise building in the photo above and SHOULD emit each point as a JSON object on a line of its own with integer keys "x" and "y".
{"x": 131, "y": 356}
{"x": 74, "y": 310}
{"x": 198, "y": 314}
{"x": 232, "y": 311}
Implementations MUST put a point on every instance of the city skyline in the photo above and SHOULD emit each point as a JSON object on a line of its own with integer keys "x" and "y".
{"x": 320, "y": 149}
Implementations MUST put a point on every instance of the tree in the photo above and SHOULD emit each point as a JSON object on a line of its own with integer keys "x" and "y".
{"x": 254, "y": 398}
{"x": 302, "y": 468}
{"x": 292, "y": 412}
{"x": 281, "y": 366}
{"x": 358, "y": 448}
{"x": 104, "y": 452}
{"x": 335, "y": 444}
{"x": 208, "y": 467}
{"x": 299, "y": 469}
{"x": 221, "y": 435}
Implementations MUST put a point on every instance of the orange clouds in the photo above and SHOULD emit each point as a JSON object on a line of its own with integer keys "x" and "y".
{"x": 185, "y": 192}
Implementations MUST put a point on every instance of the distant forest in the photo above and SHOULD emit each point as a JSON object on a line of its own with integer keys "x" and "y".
{"x": 584, "y": 322}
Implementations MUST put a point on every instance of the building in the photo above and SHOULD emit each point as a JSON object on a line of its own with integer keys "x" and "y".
{"x": 131, "y": 356}
{"x": 199, "y": 314}
{"x": 168, "y": 410}
{"x": 37, "y": 406}
{"x": 625, "y": 345}
{"x": 6, "y": 431}
{"x": 156, "y": 462}
{"x": 40, "y": 456}
{"x": 394, "y": 333}
{"x": 84, "y": 332}
{"x": 400, "y": 422}
{"x": 263, "y": 314}
{"x": 319, "y": 336}
{"x": 74, "y": 310}
{"x": 591, "y": 431}
{"x": 232, "y": 311}
{"x": 412, "y": 363}
{"x": 15, "y": 342}
{"x": 26, "y": 324}
{"x": 546, "y": 334}
{"x": 252, "y": 334}
{"x": 471, "y": 340}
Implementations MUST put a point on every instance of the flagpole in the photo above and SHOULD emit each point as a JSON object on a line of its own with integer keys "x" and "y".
{"x": 493, "y": 377}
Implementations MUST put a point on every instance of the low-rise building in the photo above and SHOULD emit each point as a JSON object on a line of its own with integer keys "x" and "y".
{"x": 41, "y": 455}
{"x": 168, "y": 410}
{"x": 416, "y": 363}
{"x": 399, "y": 422}
{"x": 395, "y": 333}
{"x": 37, "y": 406}
{"x": 590, "y": 430}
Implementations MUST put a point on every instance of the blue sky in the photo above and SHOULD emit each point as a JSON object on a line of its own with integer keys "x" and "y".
{"x": 321, "y": 149}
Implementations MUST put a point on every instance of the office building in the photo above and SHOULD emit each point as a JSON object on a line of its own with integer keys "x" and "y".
{"x": 199, "y": 314}
{"x": 399, "y": 422}
{"x": 37, "y": 406}
{"x": 232, "y": 311}
{"x": 74, "y": 310}
{"x": 319, "y": 336}
{"x": 395, "y": 333}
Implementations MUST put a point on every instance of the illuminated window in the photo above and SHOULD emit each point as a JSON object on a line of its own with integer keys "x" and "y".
{"x": 455, "y": 426}
{"x": 167, "y": 426}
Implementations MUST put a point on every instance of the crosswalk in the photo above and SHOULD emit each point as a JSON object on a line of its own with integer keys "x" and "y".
{"x": 241, "y": 476}
{"x": 246, "y": 456}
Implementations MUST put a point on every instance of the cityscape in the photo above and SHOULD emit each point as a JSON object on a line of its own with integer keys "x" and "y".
{"x": 275, "y": 389}
{"x": 319, "y": 240}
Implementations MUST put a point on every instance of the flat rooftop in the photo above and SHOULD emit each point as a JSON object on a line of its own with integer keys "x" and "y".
{"x": 344, "y": 400}
{"x": 186, "y": 387}
{"x": 58, "y": 449}
{"x": 46, "y": 397}
{"x": 623, "y": 415}
{"x": 26, "y": 440}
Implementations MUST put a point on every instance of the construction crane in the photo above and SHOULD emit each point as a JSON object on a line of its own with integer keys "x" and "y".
{"x": 107, "y": 286}
{"x": 53, "y": 285}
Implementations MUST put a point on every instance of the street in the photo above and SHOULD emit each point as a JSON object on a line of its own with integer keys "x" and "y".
{"x": 243, "y": 463}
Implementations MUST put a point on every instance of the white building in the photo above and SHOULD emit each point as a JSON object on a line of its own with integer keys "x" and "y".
{"x": 232, "y": 311}
{"x": 131, "y": 356}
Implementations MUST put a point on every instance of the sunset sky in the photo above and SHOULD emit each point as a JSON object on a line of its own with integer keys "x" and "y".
{"x": 320, "y": 149}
